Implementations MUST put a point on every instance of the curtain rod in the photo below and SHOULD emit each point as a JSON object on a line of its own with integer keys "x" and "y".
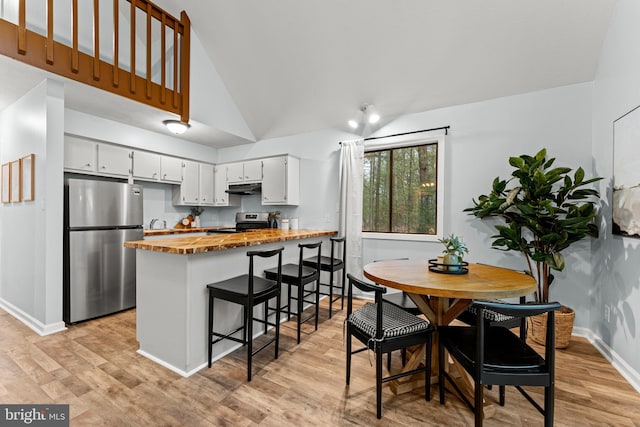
{"x": 446, "y": 132}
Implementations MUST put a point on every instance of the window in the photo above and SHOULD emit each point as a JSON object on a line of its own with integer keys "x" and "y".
{"x": 402, "y": 190}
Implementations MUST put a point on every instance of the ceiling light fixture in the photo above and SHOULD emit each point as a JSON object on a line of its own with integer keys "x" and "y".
{"x": 369, "y": 115}
{"x": 176, "y": 126}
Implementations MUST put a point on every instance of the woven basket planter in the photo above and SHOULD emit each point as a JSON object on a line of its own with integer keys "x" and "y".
{"x": 564, "y": 327}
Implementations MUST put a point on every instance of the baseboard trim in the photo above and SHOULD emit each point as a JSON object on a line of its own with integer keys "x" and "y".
{"x": 34, "y": 324}
{"x": 631, "y": 375}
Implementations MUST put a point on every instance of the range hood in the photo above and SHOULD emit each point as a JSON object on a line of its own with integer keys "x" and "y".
{"x": 245, "y": 189}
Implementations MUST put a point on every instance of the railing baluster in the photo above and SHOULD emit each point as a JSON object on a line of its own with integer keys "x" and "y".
{"x": 22, "y": 27}
{"x": 49, "y": 31}
{"x": 74, "y": 37}
{"x": 163, "y": 58}
{"x": 116, "y": 44}
{"x": 132, "y": 74}
{"x": 96, "y": 39}
{"x": 175, "y": 64}
{"x": 149, "y": 12}
{"x": 185, "y": 49}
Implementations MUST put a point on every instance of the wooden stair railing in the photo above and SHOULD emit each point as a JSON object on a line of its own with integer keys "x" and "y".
{"x": 42, "y": 51}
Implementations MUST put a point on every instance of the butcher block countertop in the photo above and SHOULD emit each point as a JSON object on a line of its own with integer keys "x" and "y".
{"x": 220, "y": 242}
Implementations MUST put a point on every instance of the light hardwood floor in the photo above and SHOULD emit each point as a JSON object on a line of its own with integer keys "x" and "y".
{"x": 94, "y": 367}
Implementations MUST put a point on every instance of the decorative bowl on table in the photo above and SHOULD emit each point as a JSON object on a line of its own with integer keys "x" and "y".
{"x": 437, "y": 266}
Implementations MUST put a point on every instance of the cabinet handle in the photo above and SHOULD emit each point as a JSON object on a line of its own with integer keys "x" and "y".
{"x": 88, "y": 165}
{"x": 103, "y": 167}
{"x": 164, "y": 176}
{"x": 155, "y": 174}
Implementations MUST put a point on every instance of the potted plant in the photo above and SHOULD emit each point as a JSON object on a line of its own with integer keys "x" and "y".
{"x": 454, "y": 250}
{"x": 545, "y": 210}
{"x": 195, "y": 216}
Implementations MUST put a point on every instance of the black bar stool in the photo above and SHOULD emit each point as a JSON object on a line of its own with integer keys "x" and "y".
{"x": 332, "y": 264}
{"x": 300, "y": 276}
{"x": 249, "y": 290}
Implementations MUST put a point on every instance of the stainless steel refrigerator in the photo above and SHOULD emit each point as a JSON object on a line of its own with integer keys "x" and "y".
{"x": 100, "y": 273}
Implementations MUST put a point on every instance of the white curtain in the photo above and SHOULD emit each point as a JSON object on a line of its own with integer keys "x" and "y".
{"x": 351, "y": 176}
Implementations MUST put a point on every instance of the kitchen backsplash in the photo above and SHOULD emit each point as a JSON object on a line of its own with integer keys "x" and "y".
{"x": 158, "y": 204}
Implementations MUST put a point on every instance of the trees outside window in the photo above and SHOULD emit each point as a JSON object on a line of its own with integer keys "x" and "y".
{"x": 400, "y": 190}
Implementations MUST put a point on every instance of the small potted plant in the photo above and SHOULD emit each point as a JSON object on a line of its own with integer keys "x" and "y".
{"x": 454, "y": 250}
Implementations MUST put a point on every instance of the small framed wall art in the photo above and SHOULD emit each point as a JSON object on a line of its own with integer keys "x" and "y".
{"x": 16, "y": 181}
{"x": 28, "y": 167}
{"x": 6, "y": 183}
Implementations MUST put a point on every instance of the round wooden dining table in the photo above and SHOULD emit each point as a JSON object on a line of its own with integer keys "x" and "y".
{"x": 442, "y": 296}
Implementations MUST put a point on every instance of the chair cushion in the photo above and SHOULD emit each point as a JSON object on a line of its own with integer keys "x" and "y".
{"x": 395, "y": 321}
{"x": 239, "y": 285}
{"x": 490, "y": 315}
{"x": 290, "y": 273}
{"x": 326, "y": 263}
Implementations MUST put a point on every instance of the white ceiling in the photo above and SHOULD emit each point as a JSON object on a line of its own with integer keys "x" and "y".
{"x": 294, "y": 66}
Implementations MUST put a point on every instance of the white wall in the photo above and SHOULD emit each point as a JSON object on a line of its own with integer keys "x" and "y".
{"x": 31, "y": 254}
{"x": 616, "y": 274}
{"x": 482, "y": 137}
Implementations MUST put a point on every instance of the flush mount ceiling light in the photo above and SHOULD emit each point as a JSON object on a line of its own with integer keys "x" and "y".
{"x": 369, "y": 115}
{"x": 176, "y": 126}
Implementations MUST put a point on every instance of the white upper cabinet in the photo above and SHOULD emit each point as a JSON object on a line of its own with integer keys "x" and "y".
{"x": 221, "y": 197}
{"x": 252, "y": 171}
{"x": 235, "y": 172}
{"x": 205, "y": 185}
{"x": 156, "y": 167}
{"x": 197, "y": 187}
{"x": 281, "y": 181}
{"x": 170, "y": 169}
{"x": 249, "y": 171}
{"x": 114, "y": 160}
{"x": 80, "y": 155}
{"x": 189, "y": 189}
{"x": 146, "y": 165}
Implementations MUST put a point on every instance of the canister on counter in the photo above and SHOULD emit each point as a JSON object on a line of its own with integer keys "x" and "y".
{"x": 284, "y": 224}
{"x": 293, "y": 223}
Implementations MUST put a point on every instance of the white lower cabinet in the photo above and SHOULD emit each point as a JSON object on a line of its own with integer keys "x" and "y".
{"x": 281, "y": 181}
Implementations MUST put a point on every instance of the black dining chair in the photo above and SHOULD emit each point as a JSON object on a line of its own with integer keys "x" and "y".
{"x": 249, "y": 291}
{"x": 403, "y": 301}
{"x": 493, "y": 355}
{"x": 332, "y": 264}
{"x": 301, "y": 276}
{"x": 382, "y": 328}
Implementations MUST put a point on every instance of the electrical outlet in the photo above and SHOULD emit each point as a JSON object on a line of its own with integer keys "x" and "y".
{"x": 607, "y": 313}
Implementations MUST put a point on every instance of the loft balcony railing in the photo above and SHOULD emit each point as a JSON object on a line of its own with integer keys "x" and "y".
{"x": 131, "y": 48}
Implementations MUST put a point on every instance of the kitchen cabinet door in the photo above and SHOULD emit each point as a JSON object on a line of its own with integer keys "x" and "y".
{"x": 146, "y": 165}
{"x": 221, "y": 198}
{"x": 114, "y": 160}
{"x": 188, "y": 192}
{"x": 235, "y": 172}
{"x": 280, "y": 181}
{"x": 170, "y": 169}
{"x": 205, "y": 185}
{"x": 252, "y": 171}
{"x": 80, "y": 155}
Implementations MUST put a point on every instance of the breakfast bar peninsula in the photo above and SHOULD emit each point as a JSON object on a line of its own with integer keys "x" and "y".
{"x": 171, "y": 295}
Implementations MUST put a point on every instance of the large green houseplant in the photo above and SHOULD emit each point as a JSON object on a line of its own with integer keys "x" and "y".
{"x": 544, "y": 210}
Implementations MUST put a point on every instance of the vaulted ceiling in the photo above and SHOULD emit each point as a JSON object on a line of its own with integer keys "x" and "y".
{"x": 294, "y": 66}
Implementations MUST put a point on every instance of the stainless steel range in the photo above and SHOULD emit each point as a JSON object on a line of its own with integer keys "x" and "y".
{"x": 246, "y": 221}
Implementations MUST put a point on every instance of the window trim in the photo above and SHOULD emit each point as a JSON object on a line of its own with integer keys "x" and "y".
{"x": 409, "y": 141}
